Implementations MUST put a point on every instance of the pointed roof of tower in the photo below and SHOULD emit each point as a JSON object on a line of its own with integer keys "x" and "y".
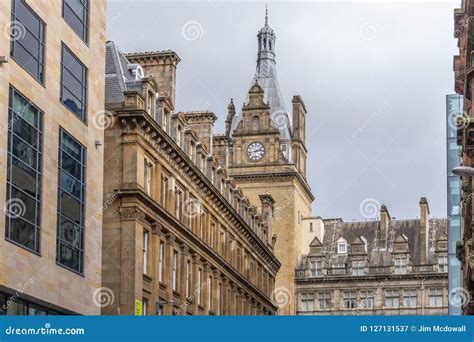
{"x": 266, "y": 77}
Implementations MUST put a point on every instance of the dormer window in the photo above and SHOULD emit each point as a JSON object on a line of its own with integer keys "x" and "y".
{"x": 400, "y": 266}
{"x": 443, "y": 264}
{"x": 178, "y": 136}
{"x": 341, "y": 246}
{"x": 149, "y": 106}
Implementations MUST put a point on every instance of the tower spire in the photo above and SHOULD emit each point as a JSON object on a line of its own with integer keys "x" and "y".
{"x": 266, "y": 14}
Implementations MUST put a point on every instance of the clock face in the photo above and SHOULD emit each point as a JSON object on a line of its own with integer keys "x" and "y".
{"x": 255, "y": 151}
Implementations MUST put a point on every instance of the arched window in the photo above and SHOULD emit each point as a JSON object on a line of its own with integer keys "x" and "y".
{"x": 255, "y": 124}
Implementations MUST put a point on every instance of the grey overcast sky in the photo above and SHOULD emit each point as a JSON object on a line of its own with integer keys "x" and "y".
{"x": 373, "y": 76}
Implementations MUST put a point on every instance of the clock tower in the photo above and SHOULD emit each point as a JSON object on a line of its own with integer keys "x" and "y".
{"x": 268, "y": 156}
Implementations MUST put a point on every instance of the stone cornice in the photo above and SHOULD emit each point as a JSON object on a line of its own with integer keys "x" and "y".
{"x": 138, "y": 122}
{"x": 277, "y": 175}
{"x": 368, "y": 278}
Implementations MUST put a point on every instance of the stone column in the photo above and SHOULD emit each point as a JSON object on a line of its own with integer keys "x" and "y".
{"x": 182, "y": 278}
{"x": 195, "y": 289}
{"x": 168, "y": 273}
{"x": 154, "y": 269}
{"x": 206, "y": 272}
{"x": 215, "y": 292}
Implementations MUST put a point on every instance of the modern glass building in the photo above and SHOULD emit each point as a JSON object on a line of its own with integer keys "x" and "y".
{"x": 454, "y": 108}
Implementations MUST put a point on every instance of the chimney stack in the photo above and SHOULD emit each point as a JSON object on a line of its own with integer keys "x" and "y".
{"x": 384, "y": 225}
{"x": 424, "y": 229}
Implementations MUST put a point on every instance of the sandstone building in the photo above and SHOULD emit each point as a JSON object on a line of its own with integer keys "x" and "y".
{"x": 463, "y": 85}
{"x": 180, "y": 238}
{"x": 267, "y": 154}
{"x": 51, "y": 158}
{"x": 383, "y": 267}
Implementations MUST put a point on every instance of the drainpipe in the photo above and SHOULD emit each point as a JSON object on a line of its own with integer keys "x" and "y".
{"x": 422, "y": 296}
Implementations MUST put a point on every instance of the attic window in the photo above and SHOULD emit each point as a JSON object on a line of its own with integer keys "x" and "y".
{"x": 341, "y": 246}
{"x": 255, "y": 124}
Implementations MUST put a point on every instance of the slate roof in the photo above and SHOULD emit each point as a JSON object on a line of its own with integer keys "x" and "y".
{"x": 379, "y": 254}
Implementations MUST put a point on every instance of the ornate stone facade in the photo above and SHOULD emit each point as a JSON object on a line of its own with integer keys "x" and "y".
{"x": 385, "y": 267}
{"x": 181, "y": 238}
{"x": 463, "y": 21}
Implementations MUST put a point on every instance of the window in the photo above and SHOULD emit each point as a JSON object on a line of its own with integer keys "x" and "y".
{"x": 160, "y": 261}
{"x": 435, "y": 297}
{"x": 358, "y": 268}
{"x": 76, "y": 14}
{"x": 409, "y": 298}
{"x": 175, "y": 271}
{"x": 223, "y": 243}
{"x": 400, "y": 266}
{"x": 144, "y": 306}
{"x": 349, "y": 299}
{"x": 23, "y": 202}
{"x": 27, "y": 33}
{"x": 209, "y": 293}
{"x": 255, "y": 124}
{"x": 164, "y": 122}
{"x": 73, "y": 84}
{"x": 178, "y": 136}
{"x": 392, "y": 298}
{"x": 338, "y": 269}
{"x": 443, "y": 264}
{"x": 164, "y": 190}
{"x": 148, "y": 171}
{"x": 316, "y": 268}
{"x": 366, "y": 299}
{"x": 200, "y": 292}
{"x": 212, "y": 233}
{"x": 311, "y": 227}
{"x": 188, "y": 277}
{"x": 149, "y": 102}
{"x": 307, "y": 302}
{"x": 71, "y": 196}
{"x": 145, "y": 252}
{"x": 341, "y": 246}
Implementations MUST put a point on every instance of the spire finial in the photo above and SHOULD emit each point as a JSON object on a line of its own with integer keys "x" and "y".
{"x": 266, "y": 14}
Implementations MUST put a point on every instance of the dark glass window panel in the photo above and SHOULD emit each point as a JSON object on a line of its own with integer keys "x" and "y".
{"x": 24, "y": 152}
{"x": 23, "y": 233}
{"x": 24, "y": 130}
{"x": 71, "y": 165}
{"x": 75, "y": 13}
{"x": 70, "y": 212}
{"x": 72, "y": 147}
{"x": 69, "y": 257}
{"x": 27, "y": 39}
{"x": 34, "y": 311}
{"x": 24, "y": 178}
{"x": 73, "y": 83}
{"x": 21, "y": 205}
{"x": 70, "y": 207}
{"x": 16, "y": 308}
{"x": 71, "y": 102}
{"x": 71, "y": 185}
{"x": 71, "y": 233}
